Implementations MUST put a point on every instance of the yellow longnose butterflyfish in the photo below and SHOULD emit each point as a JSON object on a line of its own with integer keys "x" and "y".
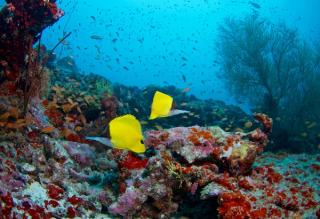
{"x": 125, "y": 133}
{"x": 162, "y": 106}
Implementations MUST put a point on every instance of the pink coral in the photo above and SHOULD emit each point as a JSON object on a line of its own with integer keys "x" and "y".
{"x": 128, "y": 202}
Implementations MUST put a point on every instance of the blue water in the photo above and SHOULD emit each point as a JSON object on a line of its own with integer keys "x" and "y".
{"x": 164, "y": 42}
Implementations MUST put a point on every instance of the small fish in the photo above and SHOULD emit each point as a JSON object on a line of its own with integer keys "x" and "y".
{"x": 78, "y": 128}
{"x": 96, "y": 37}
{"x": 311, "y": 125}
{"x": 70, "y": 63}
{"x": 158, "y": 127}
{"x": 184, "y": 104}
{"x": 125, "y": 133}
{"x": 184, "y": 58}
{"x": 162, "y": 106}
{"x": 64, "y": 42}
{"x": 48, "y": 129}
{"x": 14, "y": 112}
{"x": 304, "y": 134}
{"x": 68, "y": 107}
{"x": 93, "y": 18}
{"x": 255, "y": 5}
{"x": 248, "y": 124}
{"x": 144, "y": 123}
{"x": 186, "y": 90}
{"x": 184, "y": 78}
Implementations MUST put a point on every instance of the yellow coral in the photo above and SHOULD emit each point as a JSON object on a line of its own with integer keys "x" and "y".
{"x": 240, "y": 151}
{"x": 175, "y": 172}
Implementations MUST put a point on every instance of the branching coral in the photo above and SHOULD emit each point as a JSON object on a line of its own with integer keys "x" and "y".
{"x": 278, "y": 73}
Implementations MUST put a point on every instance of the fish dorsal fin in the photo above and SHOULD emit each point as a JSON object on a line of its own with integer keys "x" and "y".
{"x": 161, "y": 105}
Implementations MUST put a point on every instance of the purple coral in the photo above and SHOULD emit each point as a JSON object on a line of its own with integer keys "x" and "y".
{"x": 83, "y": 154}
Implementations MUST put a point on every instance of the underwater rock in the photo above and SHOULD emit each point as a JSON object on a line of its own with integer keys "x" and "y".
{"x": 131, "y": 200}
{"x": 232, "y": 152}
{"x": 83, "y": 154}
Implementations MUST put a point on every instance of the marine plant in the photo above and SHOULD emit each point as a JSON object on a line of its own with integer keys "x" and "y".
{"x": 278, "y": 73}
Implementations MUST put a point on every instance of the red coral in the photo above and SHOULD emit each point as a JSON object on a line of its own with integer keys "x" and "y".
{"x": 275, "y": 213}
{"x": 318, "y": 213}
{"x": 133, "y": 162}
{"x": 75, "y": 138}
{"x": 33, "y": 134}
{"x": 310, "y": 204}
{"x": 55, "y": 116}
{"x": 272, "y": 176}
{"x": 53, "y": 203}
{"x": 234, "y": 205}
{"x": 225, "y": 181}
{"x": 7, "y": 205}
{"x": 197, "y": 136}
{"x": 259, "y": 213}
{"x": 71, "y": 212}
{"x": 265, "y": 120}
{"x": 74, "y": 200}
{"x": 315, "y": 167}
{"x": 55, "y": 192}
{"x": 244, "y": 183}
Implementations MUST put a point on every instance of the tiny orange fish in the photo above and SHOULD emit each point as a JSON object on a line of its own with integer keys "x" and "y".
{"x": 48, "y": 129}
{"x": 4, "y": 116}
{"x": 14, "y": 112}
{"x": 11, "y": 125}
{"x": 78, "y": 128}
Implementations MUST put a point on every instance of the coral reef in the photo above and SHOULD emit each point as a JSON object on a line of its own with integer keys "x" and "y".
{"x": 190, "y": 169}
{"x": 43, "y": 176}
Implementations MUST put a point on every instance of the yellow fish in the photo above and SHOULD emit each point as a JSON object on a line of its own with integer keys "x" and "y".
{"x": 125, "y": 133}
{"x": 162, "y": 106}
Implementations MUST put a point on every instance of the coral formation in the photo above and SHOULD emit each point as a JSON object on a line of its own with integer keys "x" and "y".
{"x": 45, "y": 177}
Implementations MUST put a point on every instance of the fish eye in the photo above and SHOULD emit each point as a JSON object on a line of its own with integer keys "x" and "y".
{"x": 142, "y": 142}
